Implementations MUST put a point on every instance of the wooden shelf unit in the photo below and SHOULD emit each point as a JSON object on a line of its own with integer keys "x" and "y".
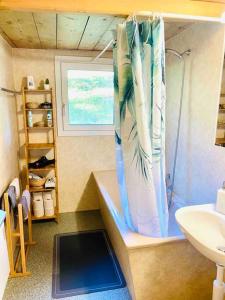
{"x": 48, "y": 168}
{"x": 44, "y": 217}
{"x": 33, "y": 189}
{"x": 221, "y": 126}
{"x": 37, "y": 146}
{"x": 40, "y": 146}
{"x": 37, "y": 91}
{"x": 38, "y": 109}
{"x": 220, "y": 140}
{"x": 39, "y": 128}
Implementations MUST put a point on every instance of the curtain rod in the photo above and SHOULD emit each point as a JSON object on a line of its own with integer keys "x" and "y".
{"x": 9, "y": 91}
{"x": 170, "y": 16}
{"x": 174, "y": 17}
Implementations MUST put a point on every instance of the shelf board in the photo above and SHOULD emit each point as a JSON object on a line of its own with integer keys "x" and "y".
{"x": 37, "y": 91}
{"x": 220, "y": 140}
{"x": 36, "y": 146}
{"x": 32, "y": 189}
{"x": 40, "y": 128}
{"x": 221, "y": 126}
{"x": 38, "y": 109}
{"x": 48, "y": 168}
{"x": 44, "y": 217}
{"x": 222, "y": 110}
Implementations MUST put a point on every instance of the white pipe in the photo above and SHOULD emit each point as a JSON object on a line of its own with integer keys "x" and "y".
{"x": 103, "y": 51}
{"x": 218, "y": 284}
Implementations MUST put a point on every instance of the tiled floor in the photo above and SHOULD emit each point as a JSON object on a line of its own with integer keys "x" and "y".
{"x": 38, "y": 286}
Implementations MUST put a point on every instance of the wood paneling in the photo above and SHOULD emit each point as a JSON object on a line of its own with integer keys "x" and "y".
{"x": 70, "y": 29}
{"x": 46, "y": 28}
{"x": 94, "y": 31}
{"x": 176, "y": 27}
{"x": 65, "y": 31}
{"x": 117, "y": 7}
{"x": 20, "y": 29}
{"x": 107, "y": 36}
{"x": 212, "y": 1}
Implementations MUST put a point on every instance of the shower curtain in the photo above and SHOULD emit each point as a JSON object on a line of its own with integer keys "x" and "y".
{"x": 139, "y": 88}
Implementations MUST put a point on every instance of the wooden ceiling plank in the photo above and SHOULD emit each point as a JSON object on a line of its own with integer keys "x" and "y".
{"x": 20, "y": 28}
{"x": 107, "y": 36}
{"x": 212, "y": 1}
{"x": 94, "y": 31}
{"x": 70, "y": 29}
{"x": 46, "y": 27}
{"x": 124, "y": 7}
{"x": 173, "y": 29}
{"x": 5, "y": 37}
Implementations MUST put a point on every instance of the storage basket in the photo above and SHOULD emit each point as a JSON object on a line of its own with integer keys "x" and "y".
{"x": 37, "y": 182}
{"x": 32, "y": 105}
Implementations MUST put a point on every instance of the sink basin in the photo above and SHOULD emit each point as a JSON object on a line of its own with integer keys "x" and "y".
{"x": 205, "y": 230}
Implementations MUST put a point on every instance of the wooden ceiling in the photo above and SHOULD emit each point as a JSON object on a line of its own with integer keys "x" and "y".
{"x": 64, "y": 31}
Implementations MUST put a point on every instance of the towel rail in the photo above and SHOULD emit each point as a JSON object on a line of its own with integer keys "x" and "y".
{"x": 15, "y": 237}
{"x": 9, "y": 91}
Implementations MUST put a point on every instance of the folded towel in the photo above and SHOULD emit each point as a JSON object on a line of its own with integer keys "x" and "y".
{"x": 12, "y": 201}
{"x": 16, "y": 184}
{"x": 25, "y": 201}
{"x": 12, "y": 196}
{"x": 27, "y": 195}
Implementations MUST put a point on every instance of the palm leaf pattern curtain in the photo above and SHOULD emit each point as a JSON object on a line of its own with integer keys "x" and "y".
{"x": 139, "y": 88}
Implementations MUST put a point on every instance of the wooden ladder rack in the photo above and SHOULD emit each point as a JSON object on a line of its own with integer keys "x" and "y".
{"x": 13, "y": 235}
{"x": 40, "y": 145}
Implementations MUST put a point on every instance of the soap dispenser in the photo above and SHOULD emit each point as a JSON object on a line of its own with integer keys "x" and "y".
{"x": 220, "y": 203}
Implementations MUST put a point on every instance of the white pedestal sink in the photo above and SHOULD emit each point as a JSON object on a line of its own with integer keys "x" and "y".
{"x": 205, "y": 230}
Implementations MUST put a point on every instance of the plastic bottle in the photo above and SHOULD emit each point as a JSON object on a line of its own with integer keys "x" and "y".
{"x": 220, "y": 203}
{"x": 49, "y": 118}
{"x": 30, "y": 119}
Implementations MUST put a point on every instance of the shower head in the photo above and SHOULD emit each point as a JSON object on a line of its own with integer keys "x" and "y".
{"x": 168, "y": 50}
{"x": 187, "y": 52}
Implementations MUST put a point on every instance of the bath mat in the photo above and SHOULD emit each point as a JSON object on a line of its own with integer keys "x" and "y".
{"x": 84, "y": 262}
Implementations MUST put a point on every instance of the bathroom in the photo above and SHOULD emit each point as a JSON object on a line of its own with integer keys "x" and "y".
{"x": 40, "y": 44}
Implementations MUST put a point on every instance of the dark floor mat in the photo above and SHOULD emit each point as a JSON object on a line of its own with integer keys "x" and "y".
{"x": 84, "y": 262}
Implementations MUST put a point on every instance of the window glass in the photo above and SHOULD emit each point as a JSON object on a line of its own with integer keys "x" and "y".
{"x": 90, "y": 97}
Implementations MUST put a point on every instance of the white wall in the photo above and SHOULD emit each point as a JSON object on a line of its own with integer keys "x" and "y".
{"x": 8, "y": 120}
{"x": 8, "y": 145}
{"x": 200, "y": 164}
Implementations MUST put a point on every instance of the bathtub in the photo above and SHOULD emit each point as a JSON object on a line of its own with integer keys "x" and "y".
{"x": 155, "y": 268}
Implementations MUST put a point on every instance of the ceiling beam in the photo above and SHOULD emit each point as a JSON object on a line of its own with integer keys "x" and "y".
{"x": 212, "y": 1}
{"x": 121, "y": 7}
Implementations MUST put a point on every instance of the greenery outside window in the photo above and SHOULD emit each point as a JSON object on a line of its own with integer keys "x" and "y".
{"x": 85, "y": 100}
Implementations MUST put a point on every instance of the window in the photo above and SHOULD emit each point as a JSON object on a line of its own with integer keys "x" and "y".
{"x": 85, "y": 100}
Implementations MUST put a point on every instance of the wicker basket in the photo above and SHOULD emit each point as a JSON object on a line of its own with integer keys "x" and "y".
{"x": 32, "y": 105}
{"x": 39, "y": 124}
{"x": 37, "y": 182}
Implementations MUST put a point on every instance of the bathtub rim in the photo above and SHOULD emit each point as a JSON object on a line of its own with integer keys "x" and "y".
{"x": 132, "y": 240}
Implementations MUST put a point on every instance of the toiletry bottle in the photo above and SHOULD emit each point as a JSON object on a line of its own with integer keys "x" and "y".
{"x": 220, "y": 203}
{"x": 29, "y": 119}
{"x": 49, "y": 118}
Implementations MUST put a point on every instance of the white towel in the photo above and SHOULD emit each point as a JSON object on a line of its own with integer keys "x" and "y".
{"x": 16, "y": 184}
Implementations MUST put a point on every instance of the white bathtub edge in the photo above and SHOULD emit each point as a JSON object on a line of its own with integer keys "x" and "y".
{"x": 131, "y": 239}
